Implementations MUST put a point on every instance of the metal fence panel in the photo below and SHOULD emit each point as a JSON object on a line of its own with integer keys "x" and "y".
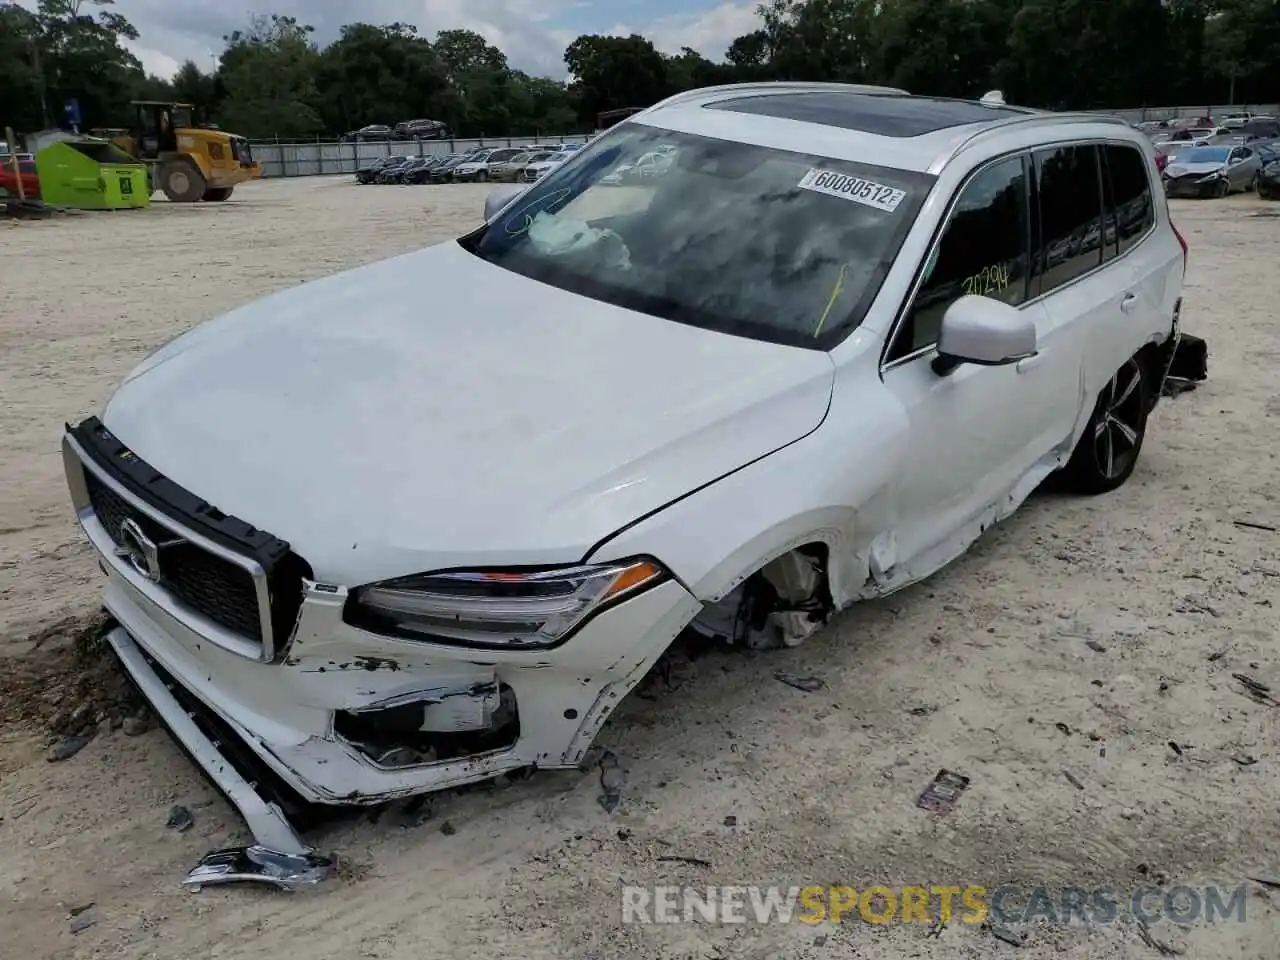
{"x": 319, "y": 158}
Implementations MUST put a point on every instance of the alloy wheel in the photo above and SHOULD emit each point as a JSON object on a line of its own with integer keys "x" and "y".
{"x": 1118, "y": 421}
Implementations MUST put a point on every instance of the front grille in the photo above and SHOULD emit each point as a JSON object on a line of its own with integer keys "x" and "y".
{"x": 206, "y": 560}
{"x": 211, "y": 586}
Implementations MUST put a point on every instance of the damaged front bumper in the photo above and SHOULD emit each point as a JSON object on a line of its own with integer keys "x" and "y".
{"x": 329, "y": 713}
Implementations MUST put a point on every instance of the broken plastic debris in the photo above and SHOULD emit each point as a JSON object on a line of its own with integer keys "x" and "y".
{"x": 257, "y": 864}
{"x": 807, "y": 684}
{"x": 180, "y": 819}
{"x": 943, "y": 793}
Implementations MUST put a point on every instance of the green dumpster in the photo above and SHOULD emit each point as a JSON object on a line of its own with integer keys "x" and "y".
{"x": 91, "y": 175}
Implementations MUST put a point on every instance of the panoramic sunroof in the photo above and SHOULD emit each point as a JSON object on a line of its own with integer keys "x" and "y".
{"x": 883, "y": 115}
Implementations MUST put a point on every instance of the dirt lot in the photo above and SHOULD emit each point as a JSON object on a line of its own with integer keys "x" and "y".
{"x": 1077, "y": 665}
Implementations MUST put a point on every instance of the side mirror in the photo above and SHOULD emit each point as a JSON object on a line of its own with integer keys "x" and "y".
{"x": 498, "y": 198}
{"x": 987, "y": 332}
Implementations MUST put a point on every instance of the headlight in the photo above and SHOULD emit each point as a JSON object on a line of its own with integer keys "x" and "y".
{"x": 498, "y": 609}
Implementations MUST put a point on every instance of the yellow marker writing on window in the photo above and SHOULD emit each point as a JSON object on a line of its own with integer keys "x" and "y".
{"x": 831, "y": 301}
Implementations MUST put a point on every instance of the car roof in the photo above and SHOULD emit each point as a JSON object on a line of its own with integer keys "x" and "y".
{"x": 881, "y": 125}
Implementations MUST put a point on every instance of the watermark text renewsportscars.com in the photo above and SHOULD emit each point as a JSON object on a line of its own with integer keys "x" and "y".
{"x": 966, "y": 904}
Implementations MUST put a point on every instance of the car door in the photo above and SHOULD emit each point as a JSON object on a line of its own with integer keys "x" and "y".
{"x": 977, "y": 432}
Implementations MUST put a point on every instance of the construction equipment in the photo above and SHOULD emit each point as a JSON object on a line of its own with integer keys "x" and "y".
{"x": 90, "y": 174}
{"x": 186, "y": 161}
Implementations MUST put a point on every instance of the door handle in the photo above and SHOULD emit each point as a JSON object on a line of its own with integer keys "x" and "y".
{"x": 1030, "y": 363}
{"x": 1128, "y": 303}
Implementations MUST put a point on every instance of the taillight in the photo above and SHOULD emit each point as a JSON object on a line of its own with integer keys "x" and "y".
{"x": 1183, "y": 244}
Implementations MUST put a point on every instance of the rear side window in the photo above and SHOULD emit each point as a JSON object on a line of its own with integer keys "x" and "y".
{"x": 1130, "y": 190}
{"x": 983, "y": 251}
{"x": 1070, "y": 215}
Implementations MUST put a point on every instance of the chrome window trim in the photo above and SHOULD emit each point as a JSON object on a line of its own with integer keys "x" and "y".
{"x": 918, "y": 281}
{"x": 74, "y": 455}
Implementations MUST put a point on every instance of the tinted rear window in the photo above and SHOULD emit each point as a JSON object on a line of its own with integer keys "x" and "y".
{"x": 1134, "y": 211}
{"x": 1070, "y": 214}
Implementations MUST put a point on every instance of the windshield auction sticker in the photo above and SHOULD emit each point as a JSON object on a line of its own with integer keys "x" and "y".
{"x": 867, "y": 192}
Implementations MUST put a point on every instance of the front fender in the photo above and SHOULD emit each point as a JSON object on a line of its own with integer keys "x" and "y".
{"x": 824, "y": 488}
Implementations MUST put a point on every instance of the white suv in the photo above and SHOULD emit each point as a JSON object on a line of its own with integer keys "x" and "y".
{"x": 845, "y": 333}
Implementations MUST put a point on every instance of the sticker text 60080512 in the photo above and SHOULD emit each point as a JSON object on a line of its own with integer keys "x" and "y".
{"x": 866, "y": 192}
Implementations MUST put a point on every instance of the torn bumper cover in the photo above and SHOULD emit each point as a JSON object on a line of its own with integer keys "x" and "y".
{"x": 298, "y": 704}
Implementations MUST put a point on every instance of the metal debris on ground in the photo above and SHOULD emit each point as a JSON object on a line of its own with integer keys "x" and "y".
{"x": 1272, "y": 882}
{"x": 612, "y": 779}
{"x": 1251, "y": 525}
{"x": 923, "y": 710}
{"x": 1095, "y": 646}
{"x": 256, "y": 864}
{"x": 81, "y": 921}
{"x": 807, "y": 684}
{"x": 1013, "y": 937}
{"x": 941, "y": 795}
{"x": 68, "y": 747}
{"x": 180, "y": 819}
{"x": 692, "y": 861}
{"x": 1245, "y": 759}
{"x": 1220, "y": 653}
{"x": 1256, "y": 690}
{"x": 1159, "y": 946}
{"x": 731, "y": 821}
{"x": 1073, "y": 780}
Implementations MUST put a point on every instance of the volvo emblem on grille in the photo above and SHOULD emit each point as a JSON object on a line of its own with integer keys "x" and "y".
{"x": 141, "y": 550}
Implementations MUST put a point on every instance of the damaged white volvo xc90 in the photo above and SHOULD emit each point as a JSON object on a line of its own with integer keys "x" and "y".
{"x": 358, "y": 547}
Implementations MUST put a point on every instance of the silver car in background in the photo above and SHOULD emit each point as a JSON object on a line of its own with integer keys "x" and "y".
{"x": 1212, "y": 171}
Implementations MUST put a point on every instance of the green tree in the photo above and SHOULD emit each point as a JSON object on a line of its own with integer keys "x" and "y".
{"x": 269, "y": 71}
{"x": 615, "y": 72}
{"x": 380, "y": 74}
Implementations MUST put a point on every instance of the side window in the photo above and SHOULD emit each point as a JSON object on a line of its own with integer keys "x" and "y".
{"x": 1070, "y": 215}
{"x": 1131, "y": 190}
{"x": 983, "y": 251}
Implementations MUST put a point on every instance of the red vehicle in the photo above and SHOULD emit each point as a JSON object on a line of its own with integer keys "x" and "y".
{"x": 26, "y": 172}
{"x": 1162, "y": 161}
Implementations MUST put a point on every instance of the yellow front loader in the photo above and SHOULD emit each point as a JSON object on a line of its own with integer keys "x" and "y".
{"x": 186, "y": 161}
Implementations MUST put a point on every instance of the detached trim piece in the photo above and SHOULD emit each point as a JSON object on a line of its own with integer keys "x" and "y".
{"x": 269, "y": 827}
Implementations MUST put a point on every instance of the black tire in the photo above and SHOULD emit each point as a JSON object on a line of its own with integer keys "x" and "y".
{"x": 218, "y": 194}
{"x": 1253, "y": 184}
{"x": 1224, "y": 188}
{"x": 1108, "y": 451}
{"x": 182, "y": 182}
{"x": 482, "y": 176}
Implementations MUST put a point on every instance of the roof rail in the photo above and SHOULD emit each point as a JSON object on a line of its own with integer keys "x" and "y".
{"x": 1040, "y": 116}
{"x": 779, "y": 86}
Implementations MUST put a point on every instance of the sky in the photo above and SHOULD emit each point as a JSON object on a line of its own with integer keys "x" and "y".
{"x": 532, "y": 33}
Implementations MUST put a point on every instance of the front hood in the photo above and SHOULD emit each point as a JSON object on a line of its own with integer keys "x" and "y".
{"x": 494, "y": 420}
{"x": 1201, "y": 169}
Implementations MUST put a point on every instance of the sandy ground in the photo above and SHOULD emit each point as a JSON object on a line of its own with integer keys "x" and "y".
{"x": 1085, "y": 636}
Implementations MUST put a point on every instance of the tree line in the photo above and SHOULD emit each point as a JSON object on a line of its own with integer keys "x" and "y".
{"x": 274, "y": 79}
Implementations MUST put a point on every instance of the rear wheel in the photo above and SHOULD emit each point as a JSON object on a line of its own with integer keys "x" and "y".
{"x": 181, "y": 182}
{"x": 1108, "y": 451}
{"x": 218, "y": 193}
{"x": 1253, "y": 184}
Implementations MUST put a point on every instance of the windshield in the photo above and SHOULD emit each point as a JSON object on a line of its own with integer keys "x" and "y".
{"x": 1204, "y": 155}
{"x": 747, "y": 240}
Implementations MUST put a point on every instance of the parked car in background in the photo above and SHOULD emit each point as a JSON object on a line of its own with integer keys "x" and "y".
{"x": 26, "y": 176}
{"x": 422, "y": 172}
{"x": 443, "y": 171}
{"x": 391, "y": 172}
{"x": 1212, "y": 172}
{"x": 1269, "y": 179}
{"x": 536, "y": 170}
{"x": 1259, "y": 128}
{"x": 512, "y": 170}
{"x": 414, "y": 164}
{"x": 421, "y": 130}
{"x": 786, "y": 379}
{"x": 1236, "y": 119}
{"x": 477, "y": 168}
{"x": 369, "y": 172}
{"x": 374, "y": 131}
